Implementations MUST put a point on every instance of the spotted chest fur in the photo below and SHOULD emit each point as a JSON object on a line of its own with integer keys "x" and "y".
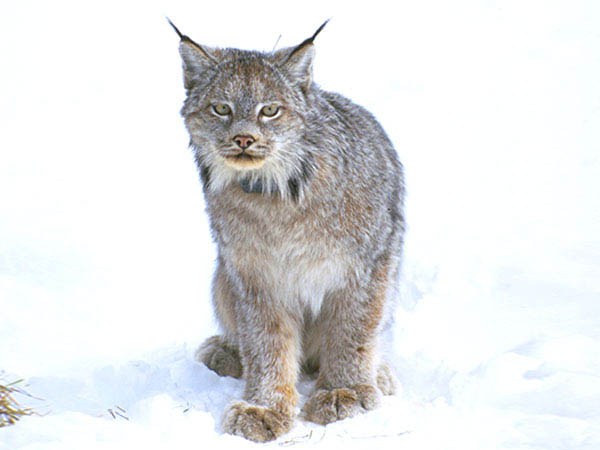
{"x": 272, "y": 252}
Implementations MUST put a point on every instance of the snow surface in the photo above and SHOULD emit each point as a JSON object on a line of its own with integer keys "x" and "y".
{"x": 106, "y": 259}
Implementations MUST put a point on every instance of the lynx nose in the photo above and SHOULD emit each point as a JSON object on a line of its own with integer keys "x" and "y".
{"x": 243, "y": 141}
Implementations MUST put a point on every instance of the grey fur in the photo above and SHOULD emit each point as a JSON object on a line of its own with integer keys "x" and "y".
{"x": 308, "y": 224}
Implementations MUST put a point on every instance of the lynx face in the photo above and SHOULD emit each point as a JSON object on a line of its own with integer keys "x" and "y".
{"x": 245, "y": 113}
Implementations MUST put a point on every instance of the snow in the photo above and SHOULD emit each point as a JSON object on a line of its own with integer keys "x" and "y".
{"x": 105, "y": 251}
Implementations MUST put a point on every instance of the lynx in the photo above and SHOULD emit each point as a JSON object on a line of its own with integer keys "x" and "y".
{"x": 304, "y": 194}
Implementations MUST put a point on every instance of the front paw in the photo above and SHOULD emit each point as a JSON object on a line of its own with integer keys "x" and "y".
{"x": 256, "y": 423}
{"x": 326, "y": 406}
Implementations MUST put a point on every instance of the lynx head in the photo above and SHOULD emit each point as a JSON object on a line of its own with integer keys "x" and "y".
{"x": 246, "y": 113}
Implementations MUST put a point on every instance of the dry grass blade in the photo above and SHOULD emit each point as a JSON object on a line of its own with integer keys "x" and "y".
{"x": 374, "y": 436}
{"x": 10, "y": 410}
{"x": 299, "y": 440}
{"x": 115, "y": 412}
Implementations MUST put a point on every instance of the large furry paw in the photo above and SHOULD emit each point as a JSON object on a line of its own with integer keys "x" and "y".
{"x": 326, "y": 406}
{"x": 220, "y": 356}
{"x": 256, "y": 423}
{"x": 386, "y": 380}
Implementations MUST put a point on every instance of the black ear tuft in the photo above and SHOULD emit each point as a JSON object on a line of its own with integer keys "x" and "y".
{"x": 181, "y": 36}
{"x": 308, "y": 41}
{"x": 298, "y": 60}
{"x": 196, "y": 58}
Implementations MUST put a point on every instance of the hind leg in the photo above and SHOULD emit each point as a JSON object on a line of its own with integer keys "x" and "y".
{"x": 386, "y": 380}
{"x": 221, "y": 356}
{"x": 220, "y": 353}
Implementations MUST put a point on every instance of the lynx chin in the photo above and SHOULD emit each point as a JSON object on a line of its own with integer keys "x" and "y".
{"x": 304, "y": 194}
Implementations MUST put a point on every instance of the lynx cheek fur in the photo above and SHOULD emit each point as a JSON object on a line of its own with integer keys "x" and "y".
{"x": 304, "y": 194}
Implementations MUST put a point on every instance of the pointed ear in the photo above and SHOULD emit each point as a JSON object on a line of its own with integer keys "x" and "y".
{"x": 197, "y": 60}
{"x": 297, "y": 61}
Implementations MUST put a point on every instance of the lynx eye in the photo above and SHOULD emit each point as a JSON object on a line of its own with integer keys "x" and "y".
{"x": 269, "y": 110}
{"x": 222, "y": 109}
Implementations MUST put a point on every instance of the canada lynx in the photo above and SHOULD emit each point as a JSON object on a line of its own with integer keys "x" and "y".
{"x": 304, "y": 194}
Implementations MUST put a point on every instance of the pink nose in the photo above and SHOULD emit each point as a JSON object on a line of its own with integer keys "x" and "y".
{"x": 243, "y": 141}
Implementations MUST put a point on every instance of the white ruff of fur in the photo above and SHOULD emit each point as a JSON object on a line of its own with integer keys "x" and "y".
{"x": 278, "y": 168}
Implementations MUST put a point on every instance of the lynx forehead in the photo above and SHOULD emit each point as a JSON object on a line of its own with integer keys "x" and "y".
{"x": 304, "y": 195}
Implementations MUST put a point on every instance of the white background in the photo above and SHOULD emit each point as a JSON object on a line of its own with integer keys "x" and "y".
{"x": 106, "y": 256}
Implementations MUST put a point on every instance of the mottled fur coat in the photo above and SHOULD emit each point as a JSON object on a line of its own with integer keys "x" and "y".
{"x": 304, "y": 194}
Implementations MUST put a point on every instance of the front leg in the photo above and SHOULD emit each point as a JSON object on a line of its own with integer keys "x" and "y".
{"x": 347, "y": 382}
{"x": 268, "y": 339}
